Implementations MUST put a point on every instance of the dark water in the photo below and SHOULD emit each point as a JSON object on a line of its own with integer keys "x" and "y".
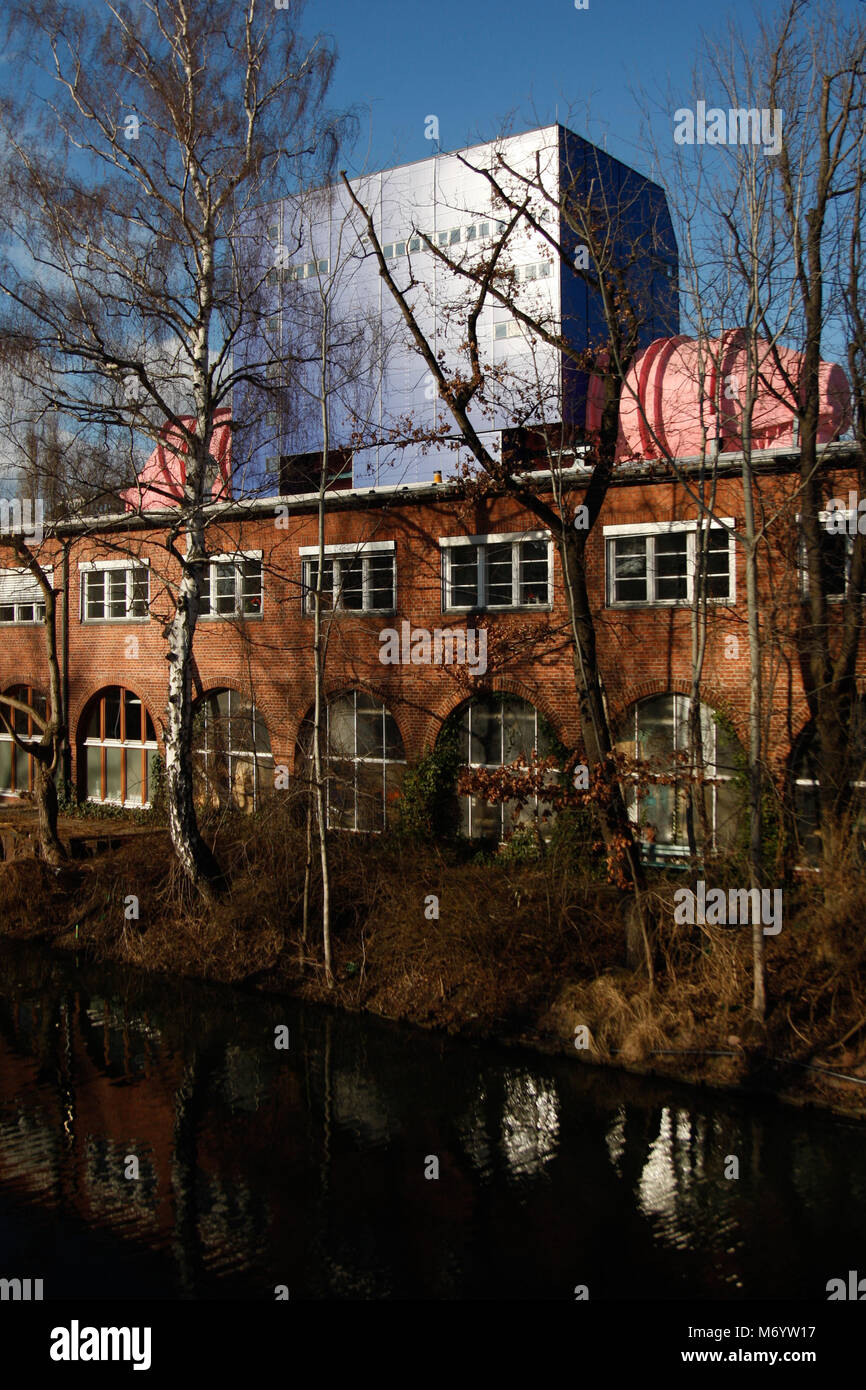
{"x": 306, "y": 1167}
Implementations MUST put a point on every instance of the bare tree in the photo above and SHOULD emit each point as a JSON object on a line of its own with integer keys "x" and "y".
{"x": 127, "y": 221}
{"x": 612, "y": 246}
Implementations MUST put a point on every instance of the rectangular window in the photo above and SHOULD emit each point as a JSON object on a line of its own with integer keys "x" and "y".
{"x": 510, "y": 328}
{"x": 497, "y": 572}
{"x": 355, "y": 579}
{"x": 657, "y": 564}
{"x": 21, "y": 599}
{"x": 232, "y": 587}
{"x": 114, "y": 593}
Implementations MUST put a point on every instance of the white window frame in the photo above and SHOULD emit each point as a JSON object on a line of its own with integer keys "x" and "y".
{"x": 358, "y": 760}
{"x": 658, "y": 850}
{"x": 449, "y": 543}
{"x": 19, "y": 602}
{"x": 235, "y": 558}
{"x": 359, "y": 551}
{"x": 650, "y": 529}
{"x": 106, "y": 568}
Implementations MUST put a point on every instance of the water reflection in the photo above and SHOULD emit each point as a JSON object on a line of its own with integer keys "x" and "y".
{"x": 259, "y": 1167}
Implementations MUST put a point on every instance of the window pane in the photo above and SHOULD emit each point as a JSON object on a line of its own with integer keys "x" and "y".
{"x": 341, "y": 728}
{"x": 486, "y": 819}
{"x": 518, "y": 730}
{"x": 341, "y": 794}
{"x": 138, "y": 606}
{"x": 533, "y": 572}
{"x": 113, "y": 757}
{"x": 134, "y": 783}
{"x": 369, "y": 728}
{"x": 112, "y": 712}
{"x": 117, "y": 593}
{"x": 5, "y": 763}
{"x": 485, "y": 745}
{"x": 261, "y": 737}
{"x": 499, "y": 575}
{"x": 7, "y": 612}
{"x": 205, "y": 589}
{"x": 393, "y": 742}
{"x": 22, "y": 770}
{"x": 225, "y": 588}
{"x": 94, "y": 782}
{"x": 630, "y": 570}
{"x": 351, "y": 584}
{"x": 381, "y": 581}
{"x": 327, "y": 583}
{"x": 371, "y": 803}
{"x": 671, "y": 566}
{"x": 656, "y": 728}
{"x": 718, "y": 563}
{"x": 834, "y": 550}
{"x": 251, "y": 586}
{"x": 132, "y": 712}
{"x": 463, "y": 569}
{"x": 94, "y": 588}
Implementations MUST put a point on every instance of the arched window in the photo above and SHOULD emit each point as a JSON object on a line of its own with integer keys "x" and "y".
{"x": 17, "y": 770}
{"x": 493, "y": 731}
{"x": 118, "y": 743}
{"x": 656, "y": 731}
{"x": 365, "y": 760}
{"x": 233, "y": 750}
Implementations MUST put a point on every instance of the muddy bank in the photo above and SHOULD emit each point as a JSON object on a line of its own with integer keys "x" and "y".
{"x": 529, "y": 952}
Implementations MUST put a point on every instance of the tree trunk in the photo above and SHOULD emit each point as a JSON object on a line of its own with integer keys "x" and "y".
{"x": 194, "y": 856}
{"x": 50, "y": 846}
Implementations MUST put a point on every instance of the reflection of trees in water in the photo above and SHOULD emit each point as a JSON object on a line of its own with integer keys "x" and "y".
{"x": 306, "y": 1168}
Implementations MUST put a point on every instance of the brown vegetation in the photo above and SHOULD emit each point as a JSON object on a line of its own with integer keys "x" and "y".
{"x": 528, "y": 950}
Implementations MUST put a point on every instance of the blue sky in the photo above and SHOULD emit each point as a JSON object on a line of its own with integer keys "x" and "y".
{"x": 477, "y": 63}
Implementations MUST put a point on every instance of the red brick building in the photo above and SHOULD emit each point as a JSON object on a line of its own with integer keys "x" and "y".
{"x": 426, "y": 557}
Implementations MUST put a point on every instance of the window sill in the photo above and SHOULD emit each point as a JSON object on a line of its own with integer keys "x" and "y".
{"x": 121, "y": 805}
{"x": 230, "y": 617}
{"x": 684, "y": 603}
{"x": 497, "y": 612}
{"x": 353, "y": 613}
{"x": 112, "y": 622}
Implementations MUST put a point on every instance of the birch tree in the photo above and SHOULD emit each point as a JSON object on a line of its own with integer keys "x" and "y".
{"x": 126, "y": 222}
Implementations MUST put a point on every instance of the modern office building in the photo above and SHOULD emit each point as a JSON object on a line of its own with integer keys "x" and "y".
{"x": 313, "y": 251}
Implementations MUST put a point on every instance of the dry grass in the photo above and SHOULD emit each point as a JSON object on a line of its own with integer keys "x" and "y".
{"x": 517, "y": 949}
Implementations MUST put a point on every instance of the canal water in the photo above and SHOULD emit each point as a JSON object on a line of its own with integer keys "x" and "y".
{"x": 154, "y": 1142}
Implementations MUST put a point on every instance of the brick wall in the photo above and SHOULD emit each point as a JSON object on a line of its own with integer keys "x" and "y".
{"x": 642, "y": 651}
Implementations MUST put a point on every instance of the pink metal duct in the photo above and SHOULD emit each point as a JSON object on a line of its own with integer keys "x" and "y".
{"x": 161, "y": 480}
{"x": 660, "y": 414}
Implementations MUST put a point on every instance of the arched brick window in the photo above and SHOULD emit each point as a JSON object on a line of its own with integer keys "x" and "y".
{"x": 655, "y": 730}
{"x": 365, "y": 760}
{"x": 116, "y": 744}
{"x": 494, "y": 731}
{"x": 234, "y": 763}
